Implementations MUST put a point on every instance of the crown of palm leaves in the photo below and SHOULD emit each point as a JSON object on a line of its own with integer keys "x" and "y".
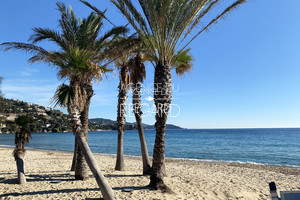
{"x": 166, "y": 24}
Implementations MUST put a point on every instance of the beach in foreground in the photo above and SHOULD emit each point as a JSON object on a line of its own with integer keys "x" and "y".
{"x": 186, "y": 179}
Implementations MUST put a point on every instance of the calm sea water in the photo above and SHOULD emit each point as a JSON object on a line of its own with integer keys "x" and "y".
{"x": 265, "y": 146}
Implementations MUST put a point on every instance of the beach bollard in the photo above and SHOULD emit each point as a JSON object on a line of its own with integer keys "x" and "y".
{"x": 273, "y": 191}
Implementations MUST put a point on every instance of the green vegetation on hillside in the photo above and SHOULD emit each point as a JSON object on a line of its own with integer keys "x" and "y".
{"x": 107, "y": 124}
{"x": 45, "y": 119}
{"x": 50, "y": 120}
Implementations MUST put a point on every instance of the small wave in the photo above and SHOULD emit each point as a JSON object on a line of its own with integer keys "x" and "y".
{"x": 237, "y": 162}
{"x": 105, "y": 154}
{"x": 49, "y": 150}
{"x": 7, "y": 146}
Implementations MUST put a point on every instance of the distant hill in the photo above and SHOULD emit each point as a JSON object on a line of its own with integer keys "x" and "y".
{"x": 51, "y": 120}
{"x": 45, "y": 119}
{"x": 100, "y": 123}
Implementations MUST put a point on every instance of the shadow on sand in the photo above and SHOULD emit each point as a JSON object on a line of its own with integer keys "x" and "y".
{"x": 43, "y": 192}
{"x": 133, "y": 187}
{"x": 63, "y": 177}
{"x": 49, "y": 192}
{"x": 123, "y": 175}
{"x": 45, "y": 177}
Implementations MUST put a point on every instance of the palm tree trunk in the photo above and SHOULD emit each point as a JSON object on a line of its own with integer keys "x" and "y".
{"x": 106, "y": 190}
{"x": 20, "y": 167}
{"x": 120, "y": 165}
{"x": 19, "y": 154}
{"x": 74, "y": 156}
{"x": 162, "y": 98}
{"x": 80, "y": 134}
{"x": 81, "y": 167}
{"x": 137, "y": 109}
{"x": 121, "y": 118}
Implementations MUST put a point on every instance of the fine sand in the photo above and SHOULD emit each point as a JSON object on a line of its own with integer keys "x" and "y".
{"x": 186, "y": 179}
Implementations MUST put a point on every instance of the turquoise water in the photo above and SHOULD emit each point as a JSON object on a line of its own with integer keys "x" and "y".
{"x": 265, "y": 146}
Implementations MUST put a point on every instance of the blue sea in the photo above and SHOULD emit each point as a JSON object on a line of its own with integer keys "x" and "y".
{"x": 262, "y": 146}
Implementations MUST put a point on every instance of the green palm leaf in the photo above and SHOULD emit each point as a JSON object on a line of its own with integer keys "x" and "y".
{"x": 23, "y": 132}
{"x": 182, "y": 62}
{"x": 165, "y": 25}
{"x": 63, "y": 96}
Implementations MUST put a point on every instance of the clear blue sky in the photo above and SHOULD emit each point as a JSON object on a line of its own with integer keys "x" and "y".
{"x": 245, "y": 72}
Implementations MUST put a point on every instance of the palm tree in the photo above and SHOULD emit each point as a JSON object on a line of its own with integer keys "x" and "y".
{"x": 137, "y": 75}
{"x": 124, "y": 66}
{"x": 1, "y": 94}
{"x": 164, "y": 28}
{"x": 182, "y": 64}
{"x": 22, "y": 136}
{"x": 63, "y": 98}
{"x": 79, "y": 59}
{"x": 121, "y": 110}
{"x": 1, "y": 102}
{"x": 132, "y": 73}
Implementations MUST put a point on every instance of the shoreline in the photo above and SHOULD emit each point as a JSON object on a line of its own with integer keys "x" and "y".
{"x": 167, "y": 158}
{"x": 187, "y": 179}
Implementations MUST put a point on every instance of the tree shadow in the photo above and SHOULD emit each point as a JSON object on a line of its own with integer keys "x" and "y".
{"x": 36, "y": 178}
{"x": 94, "y": 199}
{"x": 123, "y": 175}
{"x": 15, "y": 194}
{"x": 49, "y": 177}
{"x": 133, "y": 187}
{"x": 8, "y": 173}
{"x": 11, "y": 181}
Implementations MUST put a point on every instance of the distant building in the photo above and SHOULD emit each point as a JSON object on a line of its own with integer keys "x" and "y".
{"x": 11, "y": 117}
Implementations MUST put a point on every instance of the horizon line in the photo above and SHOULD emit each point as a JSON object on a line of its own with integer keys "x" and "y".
{"x": 247, "y": 128}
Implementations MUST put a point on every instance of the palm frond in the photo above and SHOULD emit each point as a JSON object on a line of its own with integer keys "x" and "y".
{"x": 89, "y": 31}
{"x": 23, "y": 121}
{"x": 182, "y": 62}
{"x": 63, "y": 96}
{"x": 23, "y": 133}
{"x": 68, "y": 23}
{"x": 100, "y": 13}
{"x": 118, "y": 48}
{"x": 28, "y": 48}
{"x": 134, "y": 17}
{"x": 137, "y": 69}
{"x": 229, "y": 9}
{"x": 114, "y": 32}
{"x": 52, "y": 58}
{"x": 165, "y": 24}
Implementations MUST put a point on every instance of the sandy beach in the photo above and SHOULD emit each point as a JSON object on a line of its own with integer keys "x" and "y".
{"x": 186, "y": 179}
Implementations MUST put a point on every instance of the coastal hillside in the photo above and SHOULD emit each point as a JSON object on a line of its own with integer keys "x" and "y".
{"x": 107, "y": 124}
{"x": 44, "y": 119}
{"x": 50, "y": 120}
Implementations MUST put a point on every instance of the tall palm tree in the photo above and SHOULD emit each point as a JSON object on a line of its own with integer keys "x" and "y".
{"x": 63, "y": 97}
{"x": 22, "y": 136}
{"x": 121, "y": 110}
{"x": 137, "y": 72}
{"x": 137, "y": 78}
{"x": 1, "y": 94}
{"x": 182, "y": 64}
{"x": 1, "y": 101}
{"x": 122, "y": 62}
{"x": 79, "y": 59}
{"x": 164, "y": 27}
